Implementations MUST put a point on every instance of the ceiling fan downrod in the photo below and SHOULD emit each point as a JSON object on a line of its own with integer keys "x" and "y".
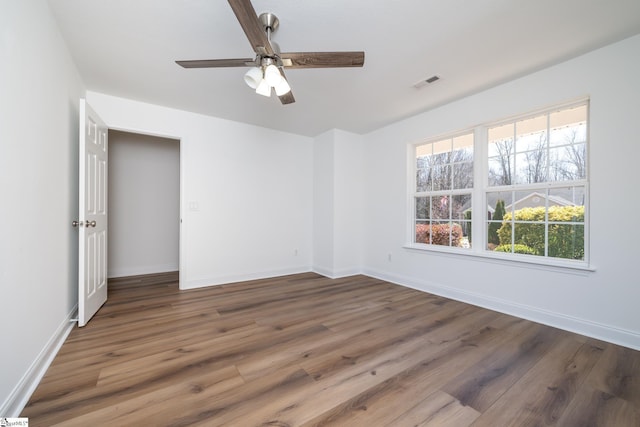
{"x": 270, "y": 24}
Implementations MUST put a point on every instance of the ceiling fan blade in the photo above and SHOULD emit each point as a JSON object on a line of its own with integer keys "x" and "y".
{"x": 215, "y": 63}
{"x": 322, "y": 59}
{"x": 251, "y": 26}
{"x": 287, "y": 98}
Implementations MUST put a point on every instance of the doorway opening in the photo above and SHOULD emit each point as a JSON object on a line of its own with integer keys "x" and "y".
{"x": 144, "y": 205}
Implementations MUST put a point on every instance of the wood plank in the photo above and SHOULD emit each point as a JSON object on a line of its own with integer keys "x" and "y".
{"x": 618, "y": 374}
{"x": 437, "y": 409}
{"x": 305, "y": 350}
{"x": 130, "y": 282}
{"x": 596, "y": 408}
{"x": 150, "y": 408}
{"x": 408, "y": 388}
{"x": 557, "y": 377}
{"x": 485, "y": 382}
{"x": 352, "y": 378}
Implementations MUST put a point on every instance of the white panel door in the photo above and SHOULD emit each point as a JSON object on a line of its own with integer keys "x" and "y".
{"x": 92, "y": 262}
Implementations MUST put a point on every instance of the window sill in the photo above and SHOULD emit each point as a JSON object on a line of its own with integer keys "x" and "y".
{"x": 517, "y": 260}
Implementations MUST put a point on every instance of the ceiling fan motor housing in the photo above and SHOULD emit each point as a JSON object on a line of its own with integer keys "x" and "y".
{"x": 269, "y": 21}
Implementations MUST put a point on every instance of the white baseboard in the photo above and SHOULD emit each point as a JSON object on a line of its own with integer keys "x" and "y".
{"x": 221, "y": 280}
{"x": 585, "y": 327}
{"x": 336, "y": 274}
{"x": 19, "y": 397}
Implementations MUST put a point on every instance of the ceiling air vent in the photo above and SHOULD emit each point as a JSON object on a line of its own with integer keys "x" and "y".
{"x": 423, "y": 83}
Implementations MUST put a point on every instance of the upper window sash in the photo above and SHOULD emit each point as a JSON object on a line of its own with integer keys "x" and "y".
{"x": 549, "y": 146}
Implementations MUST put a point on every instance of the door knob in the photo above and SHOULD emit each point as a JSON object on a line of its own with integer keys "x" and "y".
{"x": 76, "y": 223}
{"x": 91, "y": 224}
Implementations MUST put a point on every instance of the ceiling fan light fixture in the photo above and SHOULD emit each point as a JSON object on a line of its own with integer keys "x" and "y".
{"x": 264, "y": 88}
{"x": 272, "y": 75}
{"x": 282, "y": 87}
{"x": 253, "y": 77}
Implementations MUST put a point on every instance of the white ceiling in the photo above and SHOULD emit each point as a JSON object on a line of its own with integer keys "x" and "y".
{"x": 127, "y": 48}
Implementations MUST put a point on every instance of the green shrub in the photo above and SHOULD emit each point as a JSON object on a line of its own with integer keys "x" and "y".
{"x": 518, "y": 249}
{"x": 498, "y": 215}
{"x": 439, "y": 234}
{"x": 565, "y": 240}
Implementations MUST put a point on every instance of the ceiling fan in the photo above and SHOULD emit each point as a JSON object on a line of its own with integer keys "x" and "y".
{"x": 267, "y": 68}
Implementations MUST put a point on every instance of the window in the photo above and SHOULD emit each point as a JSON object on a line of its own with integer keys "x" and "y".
{"x": 531, "y": 192}
{"x": 537, "y": 184}
{"x": 444, "y": 181}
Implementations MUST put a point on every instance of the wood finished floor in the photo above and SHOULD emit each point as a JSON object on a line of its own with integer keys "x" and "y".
{"x": 305, "y": 350}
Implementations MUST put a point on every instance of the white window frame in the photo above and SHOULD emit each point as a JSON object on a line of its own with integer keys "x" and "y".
{"x": 434, "y": 193}
{"x": 479, "y": 199}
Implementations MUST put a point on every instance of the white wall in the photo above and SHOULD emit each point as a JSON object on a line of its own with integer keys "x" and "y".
{"x": 144, "y": 204}
{"x": 338, "y": 203}
{"x": 323, "y": 217}
{"x": 40, "y": 89}
{"x": 603, "y": 303}
{"x": 246, "y": 192}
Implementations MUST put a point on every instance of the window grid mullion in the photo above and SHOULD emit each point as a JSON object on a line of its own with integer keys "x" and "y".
{"x": 546, "y": 223}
